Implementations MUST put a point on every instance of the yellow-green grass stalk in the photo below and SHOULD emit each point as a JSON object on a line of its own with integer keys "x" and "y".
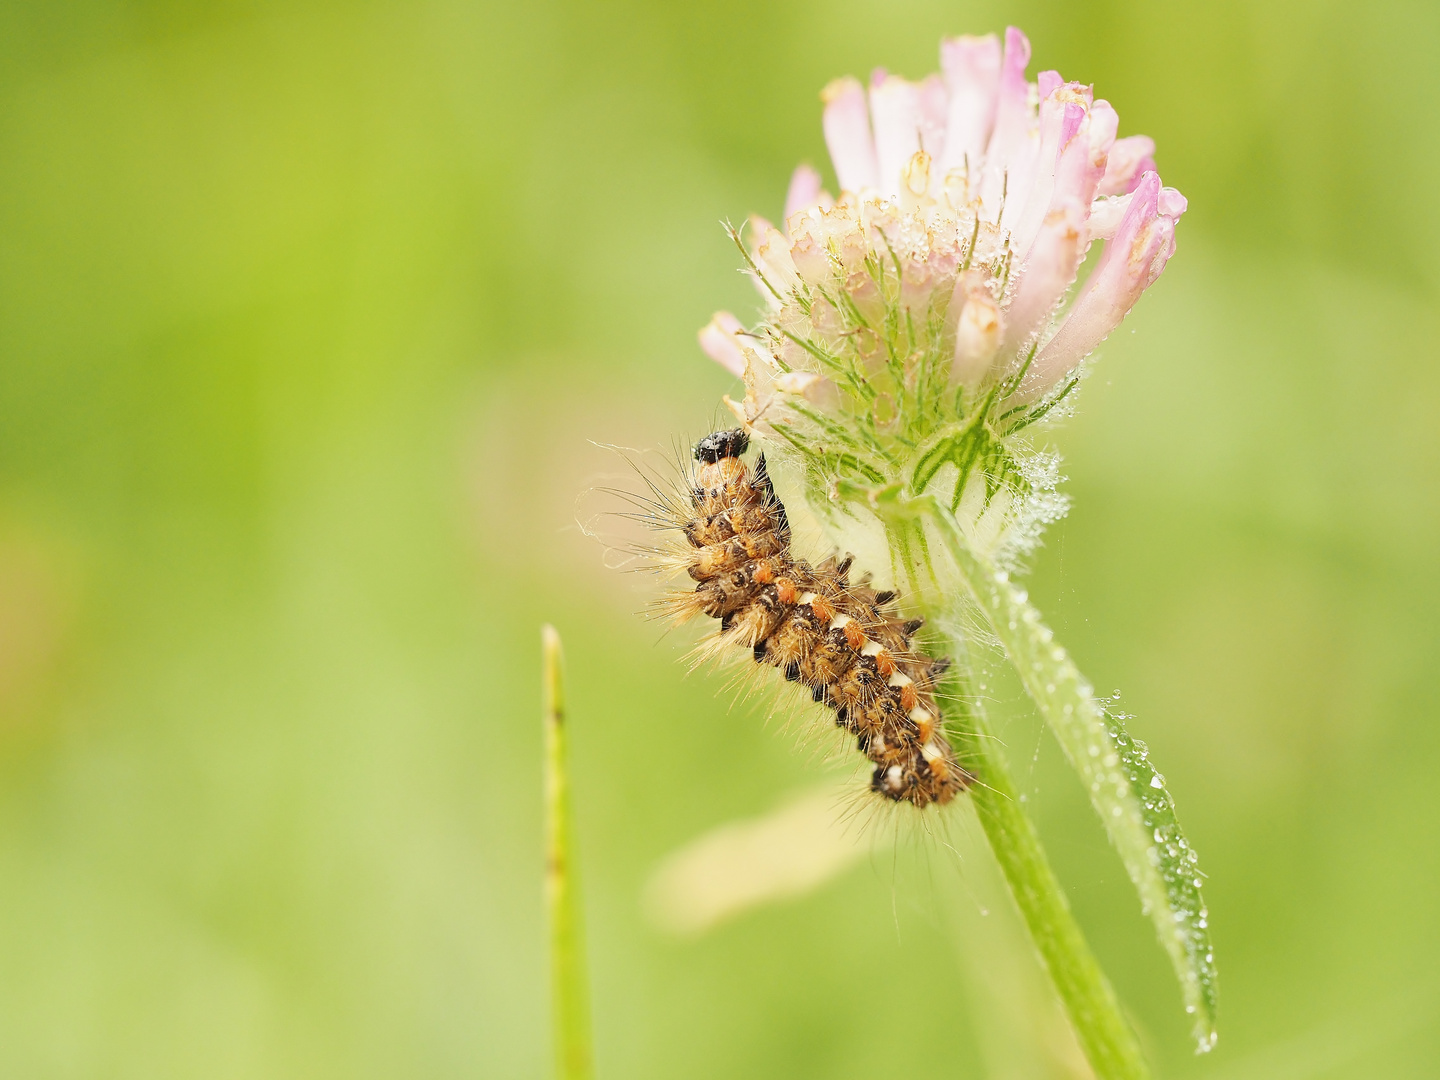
{"x": 569, "y": 988}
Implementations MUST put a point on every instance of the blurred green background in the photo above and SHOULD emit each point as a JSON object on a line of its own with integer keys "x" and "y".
{"x": 308, "y": 314}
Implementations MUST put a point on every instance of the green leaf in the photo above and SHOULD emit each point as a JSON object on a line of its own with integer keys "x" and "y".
{"x": 1187, "y": 937}
{"x": 1124, "y": 788}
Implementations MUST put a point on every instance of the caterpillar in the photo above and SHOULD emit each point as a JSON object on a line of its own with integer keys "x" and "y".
{"x": 840, "y": 640}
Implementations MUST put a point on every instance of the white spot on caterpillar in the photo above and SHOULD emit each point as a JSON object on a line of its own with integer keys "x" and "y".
{"x": 724, "y": 491}
{"x": 931, "y": 752}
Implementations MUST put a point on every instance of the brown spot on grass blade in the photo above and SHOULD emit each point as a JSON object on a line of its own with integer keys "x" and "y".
{"x": 569, "y": 989}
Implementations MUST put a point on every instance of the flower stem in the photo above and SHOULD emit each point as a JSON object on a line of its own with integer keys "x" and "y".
{"x": 1105, "y": 1037}
{"x": 568, "y": 989}
{"x": 1125, "y": 789}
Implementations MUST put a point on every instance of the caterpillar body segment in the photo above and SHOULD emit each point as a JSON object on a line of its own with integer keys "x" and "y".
{"x": 838, "y": 639}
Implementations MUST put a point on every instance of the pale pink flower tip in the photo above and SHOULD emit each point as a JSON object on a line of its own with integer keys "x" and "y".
{"x": 720, "y": 339}
{"x": 804, "y": 191}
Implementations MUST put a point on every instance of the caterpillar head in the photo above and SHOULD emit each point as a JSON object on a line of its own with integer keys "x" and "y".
{"x": 721, "y": 444}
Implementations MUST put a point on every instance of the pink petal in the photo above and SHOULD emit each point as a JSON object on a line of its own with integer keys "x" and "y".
{"x": 1061, "y": 121}
{"x": 847, "y": 134}
{"x": 934, "y": 114}
{"x": 804, "y": 191}
{"x": 1048, "y": 272}
{"x": 1016, "y": 60}
{"x": 1147, "y": 164}
{"x": 1128, "y": 162}
{"x": 1106, "y": 213}
{"x": 809, "y": 248}
{"x": 1010, "y": 157}
{"x": 1163, "y": 248}
{"x": 978, "y": 331}
{"x": 1078, "y": 169}
{"x": 719, "y": 340}
{"x": 815, "y": 389}
{"x": 1171, "y": 203}
{"x": 895, "y": 114}
{"x": 770, "y": 248}
{"x": 972, "y": 73}
{"x": 1131, "y": 263}
{"x": 1082, "y": 176}
{"x": 1104, "y": 121}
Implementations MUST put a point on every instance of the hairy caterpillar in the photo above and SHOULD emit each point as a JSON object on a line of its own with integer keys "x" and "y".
{"x": 834, "y": 637}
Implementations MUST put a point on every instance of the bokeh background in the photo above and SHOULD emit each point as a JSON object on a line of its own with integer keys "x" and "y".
{"x": 310, "y": 315}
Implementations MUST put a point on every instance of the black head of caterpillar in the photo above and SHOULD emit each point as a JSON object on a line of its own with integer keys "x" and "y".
{"x": 837, "y": 638}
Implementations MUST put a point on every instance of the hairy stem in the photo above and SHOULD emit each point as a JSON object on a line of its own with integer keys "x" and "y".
{"x": 1126, "y": 791}
{"x": 568, "y": 984}
{"x": 1090, "y": 1002}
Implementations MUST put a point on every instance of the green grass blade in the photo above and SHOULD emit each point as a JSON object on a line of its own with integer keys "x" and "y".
{"x": 1124, "y": 788}
{"x": 568, "y": 982}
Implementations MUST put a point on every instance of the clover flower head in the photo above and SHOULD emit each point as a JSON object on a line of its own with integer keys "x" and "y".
{"x": 936, "y": 290}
